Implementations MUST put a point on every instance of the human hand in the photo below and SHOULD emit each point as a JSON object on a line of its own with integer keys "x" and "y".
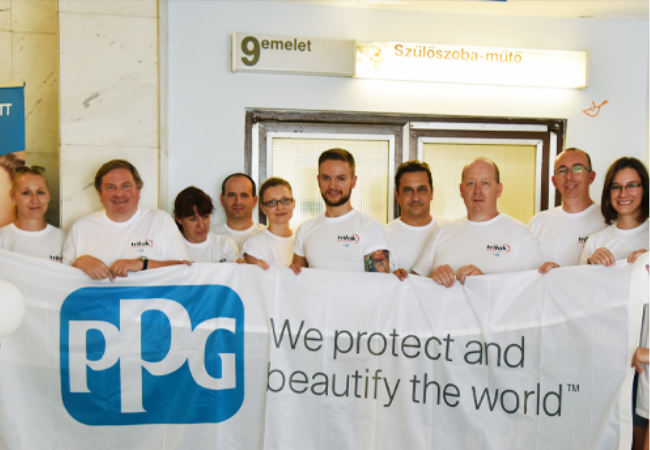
{"x": 444, "y": 275}
{"x": 402, "y": 274}
{"x": 640, "y": 357}
{"x": 297, "y": 268}
{"x": 121, "y": 267}
{"x": 93, "y": 267}
{"x": 632, "y": 258}
{"x": 547, "y": 266}
{"x": 602, "y": 256}
{"x": 467, "y": 271}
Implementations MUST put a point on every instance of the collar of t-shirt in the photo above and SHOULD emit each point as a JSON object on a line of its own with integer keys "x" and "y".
{"x": 127, "y": 222}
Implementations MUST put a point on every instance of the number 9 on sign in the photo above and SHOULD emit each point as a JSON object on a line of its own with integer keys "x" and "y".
{"x": 254, "y": 53}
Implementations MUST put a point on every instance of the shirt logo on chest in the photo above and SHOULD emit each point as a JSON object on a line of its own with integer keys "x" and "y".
{"x": 347, "y": 239}
{"x": 141, "y": 246}
{"x": 582, "y": 240}
{"x": 498, "y": 249}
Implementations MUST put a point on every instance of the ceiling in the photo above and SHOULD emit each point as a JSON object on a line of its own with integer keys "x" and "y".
{"x": 593, "y": 9}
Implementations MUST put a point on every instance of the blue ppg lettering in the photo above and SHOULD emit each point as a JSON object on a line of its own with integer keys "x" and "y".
{"x": 149, "y": 355}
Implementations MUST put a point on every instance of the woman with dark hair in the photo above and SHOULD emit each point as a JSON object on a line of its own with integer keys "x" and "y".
{"x": 625, "y": 202}
{"x": 274, "y": 245}
{"x": 30, "y": 234}
{"x": 192, "y": 211}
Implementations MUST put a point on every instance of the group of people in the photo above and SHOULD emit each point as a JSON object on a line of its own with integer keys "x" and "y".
{"x": 126, "y": 237}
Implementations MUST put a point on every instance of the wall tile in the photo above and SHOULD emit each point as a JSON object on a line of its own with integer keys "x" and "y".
{"x": 109, "y": 80}
{"x": 5, "y": 15}
{"x": 164, "y": 183}
{"x": 134, "y": 8}
{"x": 34, "y": 16}
{"x": 35, "y": 61}
{"x": 50, "y": 161}
{"x": 79, "y": 165}
{"x": 163, "y": 14}
{"x": 163, "y": 45}
{"x": 5, "y": 55}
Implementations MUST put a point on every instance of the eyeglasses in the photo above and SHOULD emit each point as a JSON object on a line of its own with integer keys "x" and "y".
{"x": 628, "y": 187}
{"x": 273, "y": 203}
{"x": 577, "y": 168}
{"x": 30, "y": 169}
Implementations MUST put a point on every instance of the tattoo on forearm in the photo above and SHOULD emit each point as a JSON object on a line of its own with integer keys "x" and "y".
{"x": 377, "y": 261}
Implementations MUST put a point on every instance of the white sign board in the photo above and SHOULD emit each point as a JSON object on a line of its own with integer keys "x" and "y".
{"x": 291, "y": 54}
{"x": 472, "y": 65}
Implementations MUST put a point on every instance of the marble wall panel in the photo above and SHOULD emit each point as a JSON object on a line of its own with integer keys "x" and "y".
{"x": 35, "y": 61}
{"x": 133, "y": 8}
{"x": 5, "y": 15}
{"x": 50, "y": 161}
{"x": 34, "y": 16}
{"x": 109, "y": 80}
{"x": 163, "y": 45}
{"x": 79, "y": 165}
{"x": 163, "y": 201}
{"x": 163, "y": 14}
{"x": 6, "y": 72}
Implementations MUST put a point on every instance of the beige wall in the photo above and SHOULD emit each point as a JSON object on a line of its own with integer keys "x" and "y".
{"x": 29, "y": 53}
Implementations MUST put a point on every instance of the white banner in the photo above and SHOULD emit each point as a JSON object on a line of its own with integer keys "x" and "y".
{"x": 228, "y": 356}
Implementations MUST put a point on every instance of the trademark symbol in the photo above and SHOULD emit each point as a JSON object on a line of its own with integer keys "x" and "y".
{"x": 573, "y": 387}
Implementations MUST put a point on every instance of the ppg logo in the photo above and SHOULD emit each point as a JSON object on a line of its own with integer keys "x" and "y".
{"x": 145, "y": 355}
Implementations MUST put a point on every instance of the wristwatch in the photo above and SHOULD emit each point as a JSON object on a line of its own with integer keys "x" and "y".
{"x": 145, "y": 262}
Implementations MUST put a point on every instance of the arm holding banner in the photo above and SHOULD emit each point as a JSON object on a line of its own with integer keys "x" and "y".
{"x": 298, "y": 263}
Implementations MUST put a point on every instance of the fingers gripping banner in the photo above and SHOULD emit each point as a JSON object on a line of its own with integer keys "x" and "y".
{"x": 230, "y": 356}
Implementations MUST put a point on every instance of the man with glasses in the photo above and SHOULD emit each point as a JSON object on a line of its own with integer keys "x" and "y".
{"x": 409, "y": 233}
{"x": 341, "y": 239}
{"x": 124, "y": 237}
{"x": 562, "y": 231}
{"x": 238, "y": 200}
{"x": 486, "y": 241}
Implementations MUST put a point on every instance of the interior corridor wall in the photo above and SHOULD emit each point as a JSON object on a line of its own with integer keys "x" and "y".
{"x": 207, "y": 102}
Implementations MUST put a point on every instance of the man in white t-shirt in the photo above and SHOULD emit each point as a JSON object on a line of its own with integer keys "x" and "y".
{"x": 485, "y": 241}
{"x": 409, "y": 233}
{"x": 123, "y": 237}
{"x": 238, "y": 200}
{"x": 341, "y": 239}
{"x": 563, "y": 231}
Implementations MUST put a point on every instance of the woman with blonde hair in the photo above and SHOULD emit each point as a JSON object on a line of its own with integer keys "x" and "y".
{"x": 30, "y": 234}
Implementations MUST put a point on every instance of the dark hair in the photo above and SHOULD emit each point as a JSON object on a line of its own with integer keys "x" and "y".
{"x": 609, "y": 213}
{"x": 273, "y": 182}
{"x": 574, "y": 149}
{"x": 482, "y": 158}
{"x": 117, "y": 164}
{"x": 238, "y": 174}
{"x": 188, "y": 199}
{"x": 410, "y": 167}
{"x": 337, "y": 154}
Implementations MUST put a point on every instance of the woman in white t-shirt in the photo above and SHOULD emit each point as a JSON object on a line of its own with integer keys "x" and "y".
{"x": 192, "y": 211}
{"x": 274, "y": 245}
{"x": 30, "y": 234}
{"x": 625, "y": 202}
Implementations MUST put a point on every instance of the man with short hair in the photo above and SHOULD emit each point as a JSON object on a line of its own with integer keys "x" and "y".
{"x": 485, "y": 241}
{"x": 238, "y": 199}
{"x": 341, "y": 239}
{"x": 562, "y": 231}
{"x": 124, "y": 237}
{"x": 409, "y": 233}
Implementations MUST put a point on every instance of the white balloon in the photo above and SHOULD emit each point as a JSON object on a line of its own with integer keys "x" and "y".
{"x": 12, "y": 308}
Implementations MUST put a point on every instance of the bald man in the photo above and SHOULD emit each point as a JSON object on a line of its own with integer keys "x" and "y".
{"x": 486, "y": 241}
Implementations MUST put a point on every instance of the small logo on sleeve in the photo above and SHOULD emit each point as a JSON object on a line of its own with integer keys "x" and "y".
{"x": 497, "y": 249}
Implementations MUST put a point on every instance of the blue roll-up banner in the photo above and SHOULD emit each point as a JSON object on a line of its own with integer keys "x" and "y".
{"x": 12, "y": 119}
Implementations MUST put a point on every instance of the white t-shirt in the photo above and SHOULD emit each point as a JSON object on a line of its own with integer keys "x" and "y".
{"x": 238, "y": 236}
{"x": 502, "y": 244}
{"x": 340, "y": 243}
{"x": 563, "y": 235}
{"x": 407, "y": 241}
{"x": 622, "y": 243}
{"x": 642, "y": 391}
{"x": 46, "y": 243}
{"x": 150, "y": 232}
{"x": 275, "y": 250}
{"x": 215, "y": 249}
